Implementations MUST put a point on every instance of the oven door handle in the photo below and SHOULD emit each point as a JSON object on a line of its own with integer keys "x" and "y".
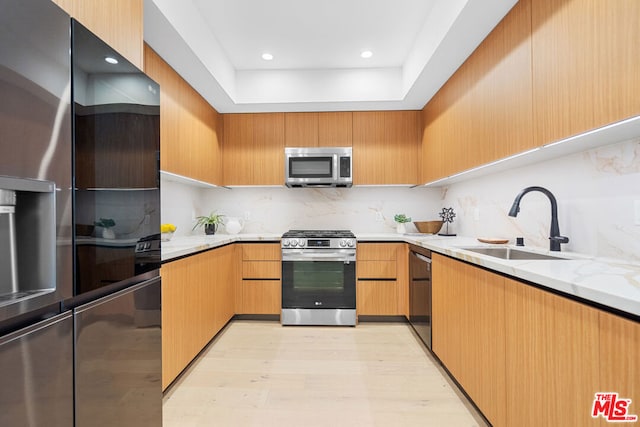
{"x": 422, "y": 257}
{"x": 302, "y": 256}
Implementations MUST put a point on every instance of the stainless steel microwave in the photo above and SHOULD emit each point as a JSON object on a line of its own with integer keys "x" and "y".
{"x": 318, "y": 167}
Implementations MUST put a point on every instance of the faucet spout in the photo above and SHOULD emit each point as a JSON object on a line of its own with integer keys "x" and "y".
{"x": 555, "y": 239}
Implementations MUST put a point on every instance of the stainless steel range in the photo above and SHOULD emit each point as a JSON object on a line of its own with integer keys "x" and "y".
{"x": 319, "y": 277}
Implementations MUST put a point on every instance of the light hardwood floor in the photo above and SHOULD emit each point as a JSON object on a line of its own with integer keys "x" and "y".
{"x": 263, "y": 374}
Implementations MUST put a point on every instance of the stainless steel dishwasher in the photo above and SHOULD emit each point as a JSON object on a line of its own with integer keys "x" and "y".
{"x": 420, "y": 292}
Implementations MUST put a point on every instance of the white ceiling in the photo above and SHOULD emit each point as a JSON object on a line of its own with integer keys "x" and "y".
{"x": 216, "y": 45}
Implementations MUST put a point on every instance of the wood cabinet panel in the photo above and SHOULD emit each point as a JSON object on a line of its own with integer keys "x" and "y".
{"x": 484, "y": 111}
{"x": 469, "y": 329}
{"x": 552, "y": 358}
{"x": 66, "y": 5}
{"x": 585, "y": 65}
{"x": 226, "y": 276}
{"x": 335, "y": 129}
{"x": 261, "y": 269}
{"x": 389, "y": 262}
{"x": 620, "y": 358}
{"x": 261, "y": 252}
{"x": 117, "y": 22}
{"x": 261, "y": 297}
{"x": 197, "y": 301}
{"x": 377, "y": 297}
{"x": 383, "y": 140}
{"x": 190, "y": 129}
{"x": 377, "y": 251}
{"x": 253, "y": 149}
{"x": 376, "y": 269}
{"x": 301, "y": 129}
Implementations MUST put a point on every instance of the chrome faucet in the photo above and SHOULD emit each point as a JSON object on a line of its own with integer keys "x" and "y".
{"x": 555, "y": 239}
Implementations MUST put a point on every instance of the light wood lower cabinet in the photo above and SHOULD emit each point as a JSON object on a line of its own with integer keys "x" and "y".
{"x": 552, "y": 358}
{"x": 620, "y": 359}
{"x": 468, "y": 331}
{"x": 526, "y": 356}
{"x": 382, "y": 287}
{"x": 197, "y": 301}
{"x": 259, "y": 289}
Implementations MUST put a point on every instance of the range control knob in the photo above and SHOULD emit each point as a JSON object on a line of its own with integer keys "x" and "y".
{"x": 351, "y": 243}
{"x": 343, "y": 243}
{"x": 302, "y": 242}
{"x": 294, "y": 242}
{"x": 285, "y": 242}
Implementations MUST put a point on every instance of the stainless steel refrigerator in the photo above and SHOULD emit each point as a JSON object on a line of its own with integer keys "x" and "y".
{"x": 36, "y": 262}
{"x": 116, "y": 303}
{"x": 79, "y": 227}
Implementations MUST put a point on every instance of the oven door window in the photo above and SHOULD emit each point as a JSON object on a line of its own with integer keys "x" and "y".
{"x": 318, "y": 284}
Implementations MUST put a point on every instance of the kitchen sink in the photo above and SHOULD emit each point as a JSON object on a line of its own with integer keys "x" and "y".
{"x": 510, "y": 253}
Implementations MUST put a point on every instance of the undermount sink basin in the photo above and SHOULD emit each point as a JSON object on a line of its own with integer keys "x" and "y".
{"x": 510, "y": 253}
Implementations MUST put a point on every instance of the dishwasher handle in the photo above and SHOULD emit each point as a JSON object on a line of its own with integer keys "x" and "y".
{"x": 421, "y": 257}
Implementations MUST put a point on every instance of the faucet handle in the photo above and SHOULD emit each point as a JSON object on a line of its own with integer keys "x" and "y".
{"x": 560, "y": 239}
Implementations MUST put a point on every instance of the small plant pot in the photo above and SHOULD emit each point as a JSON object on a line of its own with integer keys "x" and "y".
{"x": 210, "y": 229}
{"x": 401, "y": 228}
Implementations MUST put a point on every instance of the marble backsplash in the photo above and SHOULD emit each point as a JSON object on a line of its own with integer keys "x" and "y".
{"x": 597, "y": 191}
{"x": 278, "y": 209}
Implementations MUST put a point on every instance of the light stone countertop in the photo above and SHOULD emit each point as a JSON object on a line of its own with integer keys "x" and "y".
{"x": 603, "y": 281}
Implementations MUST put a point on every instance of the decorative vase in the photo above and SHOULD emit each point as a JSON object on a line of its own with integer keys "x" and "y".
{"x": 210, "y": 229}
{"x": 401, "y": 228}
{"x": 108, "y": 233}
{"x": 233, "y": 225}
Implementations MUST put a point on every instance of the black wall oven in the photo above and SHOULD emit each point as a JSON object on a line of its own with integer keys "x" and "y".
{"x": 318, "y": 280}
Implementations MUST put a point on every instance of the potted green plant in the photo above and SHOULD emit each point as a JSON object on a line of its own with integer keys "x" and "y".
{"x": 401, "y": 219}
{"x": 106, "y": 224}
{"x": 209, "y": 222}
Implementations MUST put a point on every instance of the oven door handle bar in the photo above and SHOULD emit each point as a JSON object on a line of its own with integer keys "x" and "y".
{"x": 333, "y": 256}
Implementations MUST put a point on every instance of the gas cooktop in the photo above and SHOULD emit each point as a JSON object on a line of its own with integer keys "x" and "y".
{"x": 319, "y": 234}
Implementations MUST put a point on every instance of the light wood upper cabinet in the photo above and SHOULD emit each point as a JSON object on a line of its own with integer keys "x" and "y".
{"x": 67, "y": 5}
{"x": 117, "y": 22}
{"x": 552, "y": 346}
{"x": 301, "y": 129}
{"x": 190, "y": 129}
{"x": 484, "y": 111}
{"x": 335, "y": 129}
{"x": 386, "y": 147}
{"x": 254, "y": 149}
{"x": 586, "y": 58}
{"x": 326, "y": 129}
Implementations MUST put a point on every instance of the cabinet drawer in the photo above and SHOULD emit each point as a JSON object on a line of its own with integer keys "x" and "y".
{"x": 377, "y": 297}
{"x": 261, "y": 252}
{"x": 261, "y": 297}
{"x": 376, "y": 269}
{"x": 261, "y": 269}
{"x": 377, "y": 251}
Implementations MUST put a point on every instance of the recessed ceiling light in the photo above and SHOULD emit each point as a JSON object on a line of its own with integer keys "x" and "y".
{"x": 111, "y": 60}
{"x": 366, "y": 54}
{"x": 267, "y": 56}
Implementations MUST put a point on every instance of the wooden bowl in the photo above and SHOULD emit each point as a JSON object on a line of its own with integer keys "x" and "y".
{"x": 429, "y": 227}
